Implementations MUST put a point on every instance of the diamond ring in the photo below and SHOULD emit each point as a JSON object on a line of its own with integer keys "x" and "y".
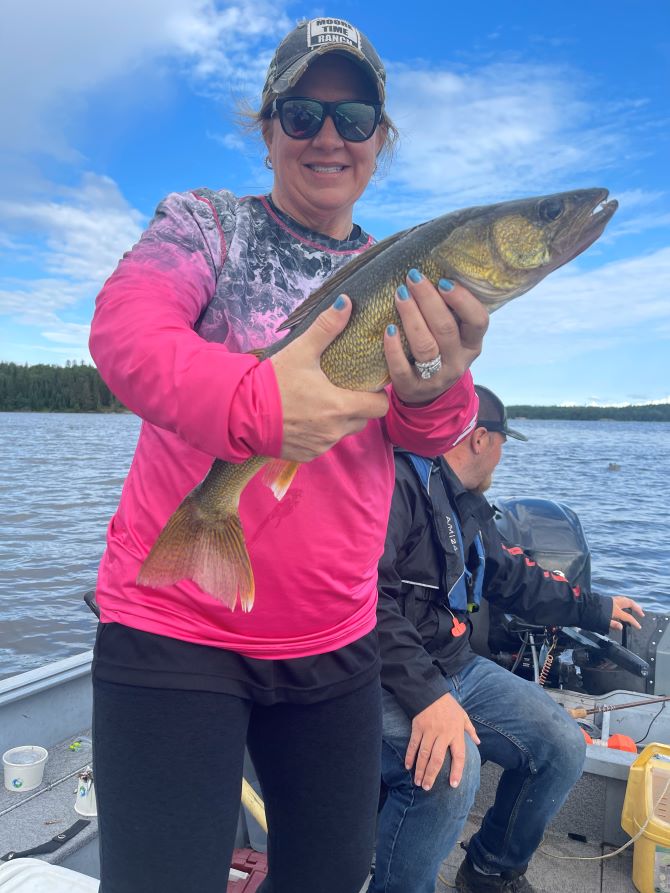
{"x": 428, "y": 369}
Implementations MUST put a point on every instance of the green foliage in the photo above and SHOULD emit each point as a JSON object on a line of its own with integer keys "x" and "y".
{"x": 650, "y": 412}
{"x": 75, "y": 387}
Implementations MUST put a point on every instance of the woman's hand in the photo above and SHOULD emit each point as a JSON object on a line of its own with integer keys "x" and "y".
{"x": 447, "y": 321}
{"x": 316, "y": 413}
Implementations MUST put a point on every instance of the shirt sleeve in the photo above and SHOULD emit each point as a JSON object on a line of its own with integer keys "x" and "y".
{"x": 408, "y": 671}
{"x": 433, "y": 429}
{"x": 147, "y": 351}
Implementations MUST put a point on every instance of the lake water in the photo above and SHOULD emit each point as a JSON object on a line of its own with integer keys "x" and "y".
{"x": 61, "y": 477}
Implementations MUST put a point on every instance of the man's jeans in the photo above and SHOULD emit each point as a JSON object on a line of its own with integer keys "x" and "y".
{"x": 541, "y": 750}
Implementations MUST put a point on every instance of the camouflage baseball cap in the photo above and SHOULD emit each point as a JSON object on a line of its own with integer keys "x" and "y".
{"x": 314, "y": 38}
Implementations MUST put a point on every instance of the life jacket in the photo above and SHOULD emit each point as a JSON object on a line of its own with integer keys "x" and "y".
{"x": 462, "y": 585}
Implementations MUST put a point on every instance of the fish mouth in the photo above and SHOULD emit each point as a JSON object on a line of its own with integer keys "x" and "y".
{"x": 592, "y": 214}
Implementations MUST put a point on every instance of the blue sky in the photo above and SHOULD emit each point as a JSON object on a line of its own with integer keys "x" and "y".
{"x": 107, "y": 107}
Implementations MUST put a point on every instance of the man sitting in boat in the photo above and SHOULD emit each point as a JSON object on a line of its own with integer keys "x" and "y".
{"x": 447, "y": 709}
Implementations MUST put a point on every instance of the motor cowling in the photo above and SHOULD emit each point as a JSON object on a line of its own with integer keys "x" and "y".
{"x": 549, "y": 532}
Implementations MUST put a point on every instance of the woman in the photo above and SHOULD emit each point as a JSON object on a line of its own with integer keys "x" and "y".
{"x": 181, "y": 682}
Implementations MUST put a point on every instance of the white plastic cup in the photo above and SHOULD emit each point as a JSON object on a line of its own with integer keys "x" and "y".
{"x": 85, "y": 803}
{"x": 24, "y": 767}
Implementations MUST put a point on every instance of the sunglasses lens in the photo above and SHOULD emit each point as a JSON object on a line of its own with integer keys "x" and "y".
{"x": 301, "y": 118}
{"x": 355, "y": 121}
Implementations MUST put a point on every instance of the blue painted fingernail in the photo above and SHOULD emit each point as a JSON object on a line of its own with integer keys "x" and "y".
{"x": 340, "y": 303}
{"x": 403, "y": 294}
{"x": 391, "y": 329}
{"x": 414, "y": 275}
{"x": 445, "y": 284}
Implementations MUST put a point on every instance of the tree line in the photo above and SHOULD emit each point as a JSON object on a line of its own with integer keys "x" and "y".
{"x": 649, "y": 412}
{"x": 77, "y": 387}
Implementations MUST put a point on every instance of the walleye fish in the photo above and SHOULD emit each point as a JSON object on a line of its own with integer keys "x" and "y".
{"x": 498, "y": 252}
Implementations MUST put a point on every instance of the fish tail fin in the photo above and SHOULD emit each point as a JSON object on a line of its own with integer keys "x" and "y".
{"x": 278, "y": 476}
{"x": 213, "y": 555}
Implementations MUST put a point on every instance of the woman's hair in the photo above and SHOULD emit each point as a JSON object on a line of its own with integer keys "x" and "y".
{"x": 255, "y": 120}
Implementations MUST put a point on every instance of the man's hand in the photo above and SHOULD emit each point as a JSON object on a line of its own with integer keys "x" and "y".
{"x": 438, "y": 728}
{"x": 620, "y": 615}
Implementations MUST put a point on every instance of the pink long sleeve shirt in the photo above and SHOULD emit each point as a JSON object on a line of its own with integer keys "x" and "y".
{"x": 211, "y": 278}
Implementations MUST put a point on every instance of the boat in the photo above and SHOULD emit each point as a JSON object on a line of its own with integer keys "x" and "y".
{"x": 595, "y": 675}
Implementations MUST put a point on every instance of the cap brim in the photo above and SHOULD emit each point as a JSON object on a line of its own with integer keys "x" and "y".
{"x": 500, "y": 428}
{"x": 517, "y": 435}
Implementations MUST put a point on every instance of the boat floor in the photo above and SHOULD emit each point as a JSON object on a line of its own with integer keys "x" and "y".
{"x": 32, "y": 818}
{"x": 557, "y": 867}
{"x": 560, "y": 864}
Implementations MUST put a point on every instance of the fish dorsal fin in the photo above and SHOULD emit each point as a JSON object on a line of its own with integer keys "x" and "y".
{"x": 334, "y": 282}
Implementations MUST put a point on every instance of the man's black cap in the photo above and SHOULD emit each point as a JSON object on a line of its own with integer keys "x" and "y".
{"x": 492, "y": 414}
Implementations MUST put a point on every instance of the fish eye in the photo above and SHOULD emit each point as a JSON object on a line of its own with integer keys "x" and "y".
{"x": 551, "y": 209}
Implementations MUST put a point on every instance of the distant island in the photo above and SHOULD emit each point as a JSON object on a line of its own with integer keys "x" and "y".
{"x": 647, "y": 412}
{"x": 77, "y": 387}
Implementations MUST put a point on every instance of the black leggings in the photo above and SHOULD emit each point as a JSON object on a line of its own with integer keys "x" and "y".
{"x": 168, "y": 768}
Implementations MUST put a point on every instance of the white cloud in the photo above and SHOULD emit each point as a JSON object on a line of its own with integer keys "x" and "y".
{"x": 71, "y": 238}
{"x": 496, "y": 132}
{"x": 80, "y": 46}
{"x": 575, "y": 312}
{"x": 71, "y": 334}
{"x": 228, "y": 45}
{"x": 36, "y": 302}
{"x": 233, "y": 141}
{"x": 638, "y": 223}
{"x": 85, "y": 230}
{"x": 78, "y": 238}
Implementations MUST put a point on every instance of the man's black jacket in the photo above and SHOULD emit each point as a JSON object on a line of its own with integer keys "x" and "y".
{"x": 417, "y": 568}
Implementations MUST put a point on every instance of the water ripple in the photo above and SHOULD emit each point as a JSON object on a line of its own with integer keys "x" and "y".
{"x": 61, "y": 478}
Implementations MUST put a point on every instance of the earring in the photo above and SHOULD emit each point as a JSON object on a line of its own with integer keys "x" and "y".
{"x": 268, "y": 162}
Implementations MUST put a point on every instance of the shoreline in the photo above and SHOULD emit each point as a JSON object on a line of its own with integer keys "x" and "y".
{"x": 650, "y": 412}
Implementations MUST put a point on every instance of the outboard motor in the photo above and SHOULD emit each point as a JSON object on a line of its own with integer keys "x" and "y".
{"x": 549, "y": 532}
{"x": 552, "y": 535}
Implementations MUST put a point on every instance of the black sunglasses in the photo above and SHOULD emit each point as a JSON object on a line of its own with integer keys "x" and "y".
{"x": 302, "y": 118}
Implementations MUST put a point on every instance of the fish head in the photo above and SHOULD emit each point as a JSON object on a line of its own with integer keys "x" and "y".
{"x": 501, "y": 251}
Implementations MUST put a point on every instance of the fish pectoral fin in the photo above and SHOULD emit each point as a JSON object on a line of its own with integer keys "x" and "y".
{"x": 211, "y": 554}
{"x": 278, "y": 475}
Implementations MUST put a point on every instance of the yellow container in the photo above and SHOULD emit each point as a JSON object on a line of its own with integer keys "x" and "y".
{"x": 647, "y": 806}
